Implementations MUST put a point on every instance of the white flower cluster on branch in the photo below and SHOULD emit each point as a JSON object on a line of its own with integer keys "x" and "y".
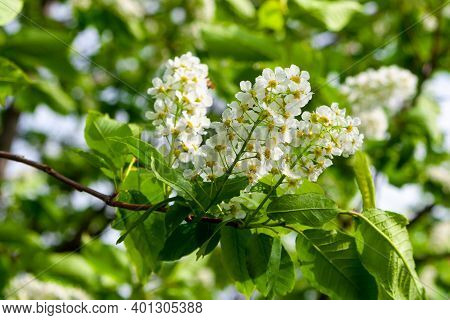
{"x": 372, "y": 93}
{"x": 265, "y": 132}
{"x": 181, "y": 102}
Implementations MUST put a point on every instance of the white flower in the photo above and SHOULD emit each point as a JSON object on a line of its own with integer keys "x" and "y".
{"x": 260, "y": 134}
{"x": 375, "y": 123}
{"x": 372, "y": 91}
{"x": 181, "y": 102}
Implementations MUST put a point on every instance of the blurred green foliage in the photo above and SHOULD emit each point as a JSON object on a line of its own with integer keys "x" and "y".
{"x": 81, "y": 57}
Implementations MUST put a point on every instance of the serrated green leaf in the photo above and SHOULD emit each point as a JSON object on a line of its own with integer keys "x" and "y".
{"x": 99, "y": 133}
{"x": 145, "y": 182}
{"x": 258, "y": 256}
{"x": 306, "y": 187}
{"x": 309, "y": 209}
{"x": 281, "y": 273}
{"x": 361, "y": 166}
{"x": 269, "y": 265}
{"x": 93, "y": 159}
{"x": 145, "y": 242}
{"x": 330, "y": 262}
{"x": 385, "y": 250}
{"x": 234, "y": 255}
{"x": 153, "y": 160}
{"x": 9, "y": 9}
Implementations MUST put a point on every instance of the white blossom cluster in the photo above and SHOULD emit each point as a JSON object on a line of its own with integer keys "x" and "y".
{"x": 262, "y": 133}
{"x": 265, "y": 132}
{"x": 26, "y": 287}
{"x": 181, "y": 102}
{"x": 372, "y": 93}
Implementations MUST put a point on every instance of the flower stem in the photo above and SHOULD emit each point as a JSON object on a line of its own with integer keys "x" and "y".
{"x": 236, "y": 160}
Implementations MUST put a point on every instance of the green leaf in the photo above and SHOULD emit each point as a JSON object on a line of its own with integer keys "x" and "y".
{"x": 176, "y": 215}
{"x": 52, "y": 94}
{"x": 209, "y": 245}
{"x": 309, "y": 209}
{"x": 234, "y": 243}
{"x": 248, "y": 45}
{"x": 12, "y": 78}
{"x": 97, "y": 160}
{"x": 281, "y": 271}
{"x": 143, "y": 151}
{"x": 174, "y": 179}
{"x": 152, "y": 159}
{"x": 146, "y": 240}
{"x": 15, "y": 234}
{"x": 9, "y": 9}
{"x": 306, "y": 187}
{"x": 107, "y": 261}
{"x": 334, "y": 14}
{"x": 361, "y": 166}
{"x": 243, "y": 8}
{"x": 145, "y": 182}
{"x": 99, "y": 131}
{"x": 270, "y": 15}
{"x": 385, "y": 250}
{"x": 33, "y": 47}
{"x": 186, "y": 238}
{"x": 269, "y": 265}
{"x": 65, "y": 268}
{"x": 94, "y": 159}
{"x": 144, "y": 216}
{"x": 251, "y": 200}
{"x": 258, "y": 257}
{"x": 206, "y": 191}
{"x": 330, "y": 262}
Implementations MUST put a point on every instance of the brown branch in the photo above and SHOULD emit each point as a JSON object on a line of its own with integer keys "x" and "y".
{"x": 10, "y": 119}
{"x": 107, "y": 199}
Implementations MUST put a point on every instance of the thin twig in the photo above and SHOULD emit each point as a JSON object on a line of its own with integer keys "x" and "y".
{"x": 107, "y": 199}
